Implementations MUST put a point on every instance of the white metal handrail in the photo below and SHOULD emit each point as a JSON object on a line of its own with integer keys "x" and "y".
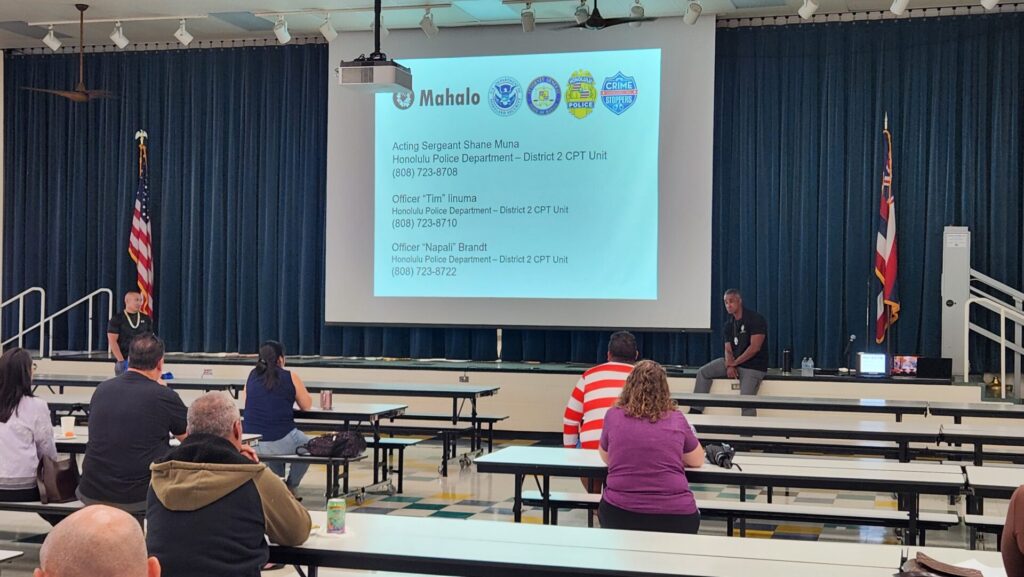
{"x": 1005, "y": 312}
{"x": 86, "y": 299}
{"x": 1002, "y": 287}
{"x": 1017, "y": 299}
{"x": 22, "y": 331}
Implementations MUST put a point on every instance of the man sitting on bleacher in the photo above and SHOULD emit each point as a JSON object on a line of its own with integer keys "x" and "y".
{"x": 596, "y": 392}
{"x": 212, "y": 501}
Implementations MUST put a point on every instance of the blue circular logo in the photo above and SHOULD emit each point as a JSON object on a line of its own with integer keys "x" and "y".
{"x": 543, "y": 95}
{"x": 505, "y": 96}
{"x": 403, "y": 99}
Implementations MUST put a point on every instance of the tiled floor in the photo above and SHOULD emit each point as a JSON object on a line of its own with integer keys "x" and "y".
{"x": 466, "y": 494}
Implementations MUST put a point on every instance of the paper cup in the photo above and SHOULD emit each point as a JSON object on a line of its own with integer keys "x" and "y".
{"x": 67, "y": 426}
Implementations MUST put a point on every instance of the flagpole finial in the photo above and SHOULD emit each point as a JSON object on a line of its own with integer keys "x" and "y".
{"x": 141, "y": 136}
{"x": 886, "y": 125}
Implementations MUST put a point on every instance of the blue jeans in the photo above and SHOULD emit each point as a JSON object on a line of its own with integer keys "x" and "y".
{"x": 286, "y": 445}
{"x": 120, "y": 367}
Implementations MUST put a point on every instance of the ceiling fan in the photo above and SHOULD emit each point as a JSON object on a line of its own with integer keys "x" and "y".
{"x": 80, "y": 93}
{"x": 597, "y": 22}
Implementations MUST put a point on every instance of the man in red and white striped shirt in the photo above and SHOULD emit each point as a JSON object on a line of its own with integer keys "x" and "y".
{"x": 596, "y": 392}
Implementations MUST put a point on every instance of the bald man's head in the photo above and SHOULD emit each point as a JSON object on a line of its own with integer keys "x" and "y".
{"x": 98, "y": 541}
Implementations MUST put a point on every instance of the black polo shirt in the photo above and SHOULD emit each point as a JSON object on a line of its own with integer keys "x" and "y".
{"x": 121, "y": 325}
{"x": 131, "y": 419}
{"x": 738, "y": 331}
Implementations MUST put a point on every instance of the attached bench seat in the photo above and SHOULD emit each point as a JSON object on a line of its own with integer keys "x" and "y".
{"x": 337, "y": 469}
{"x": 985, "y": 524}
{"x": 38, "y": 507}
{"x": 565, "y": 500}
{"x": 448, "y": 433}
{"x": 732, "y": 510}
{"x": 389, "y": 445}
{"x": 784, "y": 445}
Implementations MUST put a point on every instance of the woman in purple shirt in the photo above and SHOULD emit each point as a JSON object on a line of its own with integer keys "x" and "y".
{"x": 648, "y": 445}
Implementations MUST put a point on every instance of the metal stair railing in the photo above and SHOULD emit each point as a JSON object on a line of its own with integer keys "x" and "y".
{"x": 1005, "y": 313}
{"x": 86, "y": 299}
{"x": 22, "y": 331}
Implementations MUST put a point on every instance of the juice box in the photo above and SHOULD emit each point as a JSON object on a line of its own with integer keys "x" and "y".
{"x": 336, "y": 515}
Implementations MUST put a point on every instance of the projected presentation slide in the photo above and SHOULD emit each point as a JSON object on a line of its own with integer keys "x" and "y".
{"x": 526, "y": 176}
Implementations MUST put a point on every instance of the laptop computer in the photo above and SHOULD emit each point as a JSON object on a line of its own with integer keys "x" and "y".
{"x": 872, "y": 365}
{"x": 904, "y": 365}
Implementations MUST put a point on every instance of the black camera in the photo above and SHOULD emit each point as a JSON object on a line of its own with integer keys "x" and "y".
{"x": 720, "y": 454}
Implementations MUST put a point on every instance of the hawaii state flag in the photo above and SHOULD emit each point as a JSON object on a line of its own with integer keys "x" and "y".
{"x": 888, "y": 308}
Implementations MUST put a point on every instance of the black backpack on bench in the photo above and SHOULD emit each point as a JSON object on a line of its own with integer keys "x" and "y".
{"x": 341, "y": 445}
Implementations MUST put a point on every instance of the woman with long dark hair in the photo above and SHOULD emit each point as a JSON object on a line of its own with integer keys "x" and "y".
{"x": 648, "y": 445}
{"x": 26, "y": 434}
{"x": 270, "y": 393}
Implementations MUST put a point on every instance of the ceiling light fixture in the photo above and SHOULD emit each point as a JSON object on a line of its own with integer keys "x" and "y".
{"x": 118, "y": 37}
{"x": 899, "y": 7}
{"x": 808, "y": 9}
{"x": 281, "y": 31}
{"x": 693, "y": 12}
{"x": 183, "y": 35}
{"x": 427, "y": 24}
{"x": 51, "y": 40}
{"x": 582, "y": 12}
{"x": 989, "y": 4}
{"x": 637, "y": 11}
{"x": 327, "y": 29}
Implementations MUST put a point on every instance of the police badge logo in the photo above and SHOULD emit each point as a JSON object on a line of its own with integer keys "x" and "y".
{"x": 402, "y": 99}
{"x": 618, "y": 92}
{"x": 580, "y": 94}
{"x": 505, "y": 96}
{"x": 543, "y": 95}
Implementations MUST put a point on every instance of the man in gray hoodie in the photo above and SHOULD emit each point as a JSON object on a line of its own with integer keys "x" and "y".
{"x": 211, "y": 502}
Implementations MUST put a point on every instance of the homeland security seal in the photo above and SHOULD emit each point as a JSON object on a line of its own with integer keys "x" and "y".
{"x": 580, "y": 94}
{"x": 618, "y": 92}
{"x": 403, "y": 99}
{"x": 505, "y": 96}
{"x": 543, "y": 95}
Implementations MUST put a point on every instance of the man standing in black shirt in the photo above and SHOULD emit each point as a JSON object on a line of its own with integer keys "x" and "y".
{"x": 746, "y": 351}
{"x": 131, "y": 420}
{"x": 125, "y": 326}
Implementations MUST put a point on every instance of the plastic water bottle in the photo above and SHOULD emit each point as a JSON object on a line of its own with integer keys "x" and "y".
{"x": 810, "y": 366}
{"x": 805, "y": 368}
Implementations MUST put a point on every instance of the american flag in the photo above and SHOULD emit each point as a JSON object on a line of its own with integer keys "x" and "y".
{"x": 140, "y": 244}
{"x": 888, "y": 305}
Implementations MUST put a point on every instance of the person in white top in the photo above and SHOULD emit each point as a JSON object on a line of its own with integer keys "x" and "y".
{"x": 26, "y": 434}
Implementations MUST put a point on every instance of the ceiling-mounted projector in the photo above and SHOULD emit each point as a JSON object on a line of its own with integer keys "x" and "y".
{"x": 375, "y": 73}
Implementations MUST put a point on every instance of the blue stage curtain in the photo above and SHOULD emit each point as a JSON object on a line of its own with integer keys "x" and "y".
{"x": 797, "y": 173}
{"x": 238, "y": 154}
{"x": 237, "y": 173}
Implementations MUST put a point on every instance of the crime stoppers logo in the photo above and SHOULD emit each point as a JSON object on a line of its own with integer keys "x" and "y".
{"x": 403, "y": 100}
{"x": 543, "y": 95}
{"x": 618, "y": 92}
{"x": 580, "y": 94}
{"x": 505, "y": 96}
